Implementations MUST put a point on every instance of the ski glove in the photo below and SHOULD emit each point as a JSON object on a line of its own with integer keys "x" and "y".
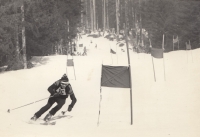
{"x": 69, "y": 108}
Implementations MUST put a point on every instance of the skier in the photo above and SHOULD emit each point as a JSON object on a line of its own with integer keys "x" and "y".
{"x": 59, "y": 92}
{"x": 84, "y": 51}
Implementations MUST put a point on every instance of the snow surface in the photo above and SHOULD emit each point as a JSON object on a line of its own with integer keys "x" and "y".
{"x": 165, "y": 108}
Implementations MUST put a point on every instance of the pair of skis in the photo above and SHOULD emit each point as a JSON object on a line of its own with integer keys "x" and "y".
{"x": 42, "y": 122}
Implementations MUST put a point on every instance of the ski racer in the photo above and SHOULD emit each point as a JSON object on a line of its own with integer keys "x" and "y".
{"x": 60, "y": 90}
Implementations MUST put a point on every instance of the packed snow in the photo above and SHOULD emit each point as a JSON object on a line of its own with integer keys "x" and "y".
{"x": 167, "y": 107}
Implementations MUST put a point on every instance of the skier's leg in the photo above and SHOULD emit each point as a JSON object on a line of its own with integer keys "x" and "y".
{"x": 60, "y": 103}
{"x": 50, "y": 102}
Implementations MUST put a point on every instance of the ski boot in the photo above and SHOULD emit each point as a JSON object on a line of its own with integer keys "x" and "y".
{"x": 47, "y": 117}
{"x": 34, "y": 118}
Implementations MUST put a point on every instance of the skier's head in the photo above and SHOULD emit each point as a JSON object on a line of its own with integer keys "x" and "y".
{"x": 64, "y": 81}
{"x": 64, "y": 78}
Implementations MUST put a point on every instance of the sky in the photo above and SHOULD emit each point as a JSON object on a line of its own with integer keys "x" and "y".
{"x": 167, "y": 107}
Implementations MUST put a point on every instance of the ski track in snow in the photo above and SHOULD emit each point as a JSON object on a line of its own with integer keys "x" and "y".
{"x": 160, "y": 109}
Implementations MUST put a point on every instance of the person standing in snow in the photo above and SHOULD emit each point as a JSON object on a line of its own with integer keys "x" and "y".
{"x": 59, "y": 91}
{"x": 84, "y": 52}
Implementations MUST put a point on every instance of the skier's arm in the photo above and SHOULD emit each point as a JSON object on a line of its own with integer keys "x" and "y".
{"x": 52, "y": 88}
{"x": 73, "y": 98}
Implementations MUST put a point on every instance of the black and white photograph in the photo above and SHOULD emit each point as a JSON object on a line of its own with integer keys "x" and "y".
{"x": 99, "y": 68}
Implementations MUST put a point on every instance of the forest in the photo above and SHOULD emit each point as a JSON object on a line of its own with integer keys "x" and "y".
{"x": 43, "y": 27}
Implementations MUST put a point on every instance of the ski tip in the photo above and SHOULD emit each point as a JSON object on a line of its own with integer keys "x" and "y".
{"x": 8, "y": 111}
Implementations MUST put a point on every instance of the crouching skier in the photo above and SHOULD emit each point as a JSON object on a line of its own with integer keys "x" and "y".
{"x": 59, "y": 92}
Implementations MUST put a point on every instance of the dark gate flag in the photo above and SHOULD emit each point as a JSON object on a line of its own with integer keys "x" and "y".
{"x": 112, "y": 51}
{"x": 157, "y": 53}
{"x": 115, "y": 76}
{"x": 70, "y": 62}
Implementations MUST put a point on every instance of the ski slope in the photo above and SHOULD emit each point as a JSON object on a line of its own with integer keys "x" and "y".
{"x": 165, "y": 108}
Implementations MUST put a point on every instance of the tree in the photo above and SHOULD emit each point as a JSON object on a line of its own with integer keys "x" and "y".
{"x": 45, "y": 22}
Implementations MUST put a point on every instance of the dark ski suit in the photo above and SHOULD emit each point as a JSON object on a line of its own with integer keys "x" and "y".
{"x": 62, "y": 94}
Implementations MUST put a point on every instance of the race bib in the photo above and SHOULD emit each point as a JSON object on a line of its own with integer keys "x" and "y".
{"x": 61, "y": 91}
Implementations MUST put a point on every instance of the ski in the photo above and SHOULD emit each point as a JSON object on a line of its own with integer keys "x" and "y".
{"x": 60, "y": 117}
{"x": 42, "y": 123}
{"x": 48, "y": 123}
{"x": 52, "y": 121}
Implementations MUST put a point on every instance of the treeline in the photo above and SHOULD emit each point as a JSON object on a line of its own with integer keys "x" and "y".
{"x": 36, "y": 28}
{"x": 148, "y": 20}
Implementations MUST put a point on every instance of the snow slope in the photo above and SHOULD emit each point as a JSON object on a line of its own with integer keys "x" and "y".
{"x": 160, "y": 109}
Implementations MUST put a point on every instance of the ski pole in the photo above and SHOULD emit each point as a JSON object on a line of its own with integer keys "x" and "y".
{"x": 28, "y": 104}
